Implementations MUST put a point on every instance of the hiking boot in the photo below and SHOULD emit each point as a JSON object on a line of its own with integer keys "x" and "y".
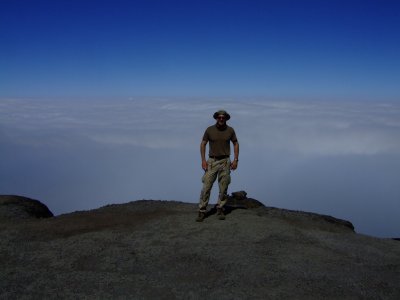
{"x": 220, "y": 214}
{"x": 201, "y": 217}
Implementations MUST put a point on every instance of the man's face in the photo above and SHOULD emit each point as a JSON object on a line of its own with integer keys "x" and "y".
{"x": 221, "y": 119}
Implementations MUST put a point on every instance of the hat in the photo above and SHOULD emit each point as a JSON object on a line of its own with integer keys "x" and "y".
{"x": 222, "y": 112}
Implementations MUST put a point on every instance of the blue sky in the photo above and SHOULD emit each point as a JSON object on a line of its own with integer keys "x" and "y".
{"x": 298, "y": 49}
{"x": 106, "y": 102}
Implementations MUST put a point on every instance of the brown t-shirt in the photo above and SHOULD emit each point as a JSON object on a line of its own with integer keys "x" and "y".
{"x": 219, "y": 139}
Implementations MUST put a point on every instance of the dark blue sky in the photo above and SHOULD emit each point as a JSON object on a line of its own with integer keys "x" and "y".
{"x": 296, "y": 49}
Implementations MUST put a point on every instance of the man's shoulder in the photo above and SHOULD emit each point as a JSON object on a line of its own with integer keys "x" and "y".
{"x": 229, "y": 128}
{"x": 212, "y": 127}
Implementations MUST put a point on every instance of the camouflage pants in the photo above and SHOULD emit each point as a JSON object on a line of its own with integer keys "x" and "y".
{"x": 216, "y": 169}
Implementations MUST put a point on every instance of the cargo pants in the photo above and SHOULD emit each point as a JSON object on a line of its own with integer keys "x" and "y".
{"x": 220, "y": 169}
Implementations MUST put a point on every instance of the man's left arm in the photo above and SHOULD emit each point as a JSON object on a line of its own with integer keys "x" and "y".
{"x": 235, "y": 161}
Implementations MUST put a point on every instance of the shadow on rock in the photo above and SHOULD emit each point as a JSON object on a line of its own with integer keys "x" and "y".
{"x": 237, "y": 200}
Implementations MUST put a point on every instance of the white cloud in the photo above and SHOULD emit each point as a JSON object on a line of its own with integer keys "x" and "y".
{"x": 322, "y": 128}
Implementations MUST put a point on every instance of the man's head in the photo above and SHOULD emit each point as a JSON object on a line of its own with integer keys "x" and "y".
{"x": 221, "y": 116}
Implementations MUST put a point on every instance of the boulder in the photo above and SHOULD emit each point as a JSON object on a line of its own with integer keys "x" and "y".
{"x": 239, "y": 200}
{"x": 18, "y": 207}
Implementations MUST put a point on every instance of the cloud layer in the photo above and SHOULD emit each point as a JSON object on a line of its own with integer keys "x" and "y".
{"x": 309, "y": 128}
{"x": 294, "y": 154}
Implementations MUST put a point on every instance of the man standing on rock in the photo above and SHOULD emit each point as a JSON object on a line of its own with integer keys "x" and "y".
{"x": 219, "y": 164}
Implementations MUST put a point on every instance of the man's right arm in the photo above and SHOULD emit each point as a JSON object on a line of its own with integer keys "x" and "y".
{"x": 203, "y": 155}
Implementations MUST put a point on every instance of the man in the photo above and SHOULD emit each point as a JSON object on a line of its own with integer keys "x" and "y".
{"x": 219, "y": 164}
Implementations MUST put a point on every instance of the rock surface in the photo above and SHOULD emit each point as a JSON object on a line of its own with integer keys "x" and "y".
{"x": 156, "y": 250}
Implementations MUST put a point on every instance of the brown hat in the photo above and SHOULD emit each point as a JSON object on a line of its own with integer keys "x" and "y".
{"x": 222, "y": 112}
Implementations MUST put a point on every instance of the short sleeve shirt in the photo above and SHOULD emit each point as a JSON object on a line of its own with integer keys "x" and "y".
{"x": 219, "y": 139}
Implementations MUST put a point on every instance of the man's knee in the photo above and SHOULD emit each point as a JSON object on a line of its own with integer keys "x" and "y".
{"x": 225, "y": 180}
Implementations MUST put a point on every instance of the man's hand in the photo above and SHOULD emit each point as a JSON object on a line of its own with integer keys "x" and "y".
{"x": 204, "y": 165}
{"x": 234, "y": 165}
{"x": 203, "y": 155}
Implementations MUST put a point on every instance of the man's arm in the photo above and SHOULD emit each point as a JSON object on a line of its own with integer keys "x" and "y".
{"x": 235, "y": 161}
{"x": 203, "y": 155}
